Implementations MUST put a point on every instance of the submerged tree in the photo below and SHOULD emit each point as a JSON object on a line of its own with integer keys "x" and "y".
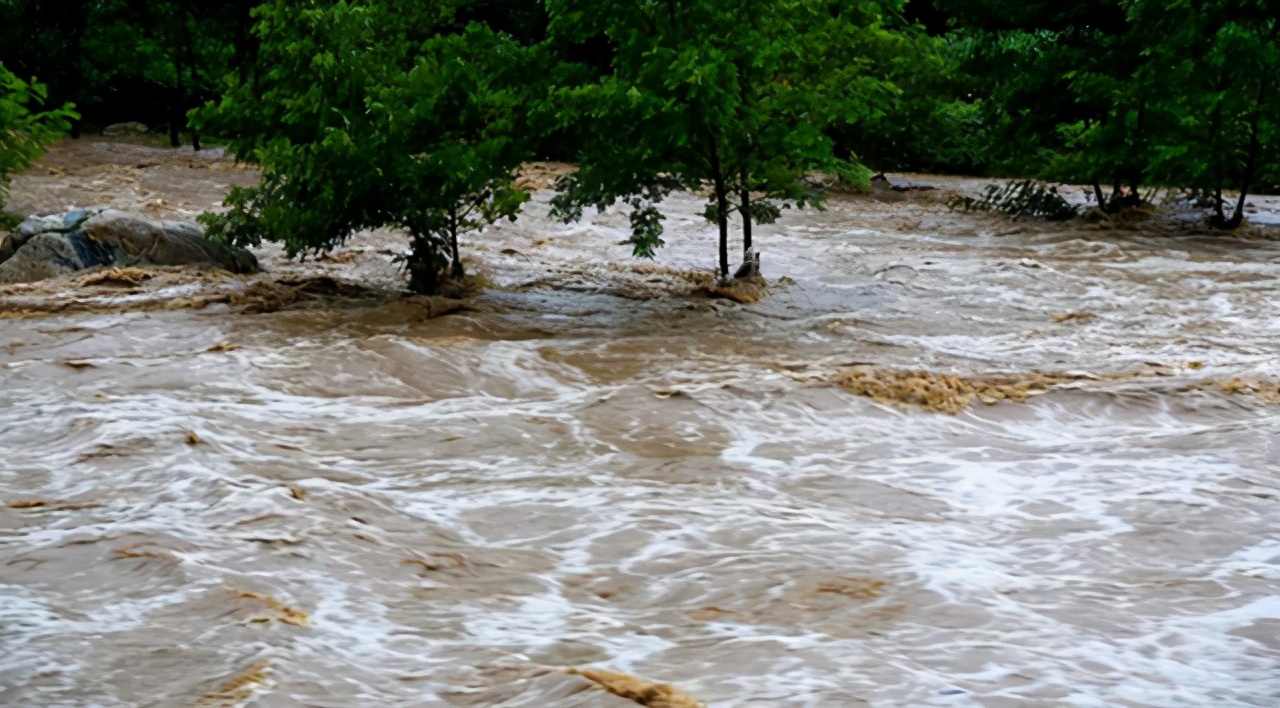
{"x": 729, "y": 93}
{"x": 1061, "y": 98}
{"x": 1218, "y": 69}
{"x": 367, "y": 114}
{"x": 455, "y": 134}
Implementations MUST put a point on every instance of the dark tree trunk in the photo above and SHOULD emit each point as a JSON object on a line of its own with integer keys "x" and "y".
{"x": 1097, "y": 193}
{"x": 176, "y": 118}
{"x": 424, "y": 266}
{"x": 722, "y": 210}
{"x": 749, "y": 261}
{"x": 456, "y": 272}
{"x": 722, "y": 220}
{"x": 1251, "y": 160}
{"x": 243, "y": 39}
{"x": 195, "y": 91}
{"x": 1219, "y": 217}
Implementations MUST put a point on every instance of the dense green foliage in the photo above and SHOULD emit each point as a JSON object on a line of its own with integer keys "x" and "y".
{"x": 128, "y": 60}
{"x": 369, "y": 113}
{"x": 744, "y": 111}
{"x": 1130, "y": 94}
{"x": 25, "y": 129}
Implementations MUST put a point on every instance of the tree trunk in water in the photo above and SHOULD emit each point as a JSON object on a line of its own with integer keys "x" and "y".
{"x": 424, "y": 266}
{"x": 1251, "y": 162}
{"x": 1219, "y": 218}
{"x": 749, "y": 261}
{"x": 457, "y": 272}
{"x": 722, "y": 211}
{"x": 1238, "y": 217}
{"x": 722, "y": 219}
{"x": 1097, "y": 193}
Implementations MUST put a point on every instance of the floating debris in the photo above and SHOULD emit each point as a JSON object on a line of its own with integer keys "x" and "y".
{"x": 1073, "y": 316}
{"x": 458, "y": 561}
{"x": 860, "y": 588}
{"x": 341, "y": 257}
{"x": 192, "y": 438}
{"x": 238, "y": 688}
{"x": 1019, "y": 199}
{"x": 222, "y": 347}
{"x": 1267, "y": 392}
{"x": 141, "y": 551}
{"x": 638, "y": 690}
{"x": 52, "y": 505}
{"x": 945, "y": 393}
{"x": 282, "y": 613}
{"x": 116, "y": 277}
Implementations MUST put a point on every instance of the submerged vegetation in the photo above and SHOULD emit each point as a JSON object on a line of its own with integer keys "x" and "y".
{"x": 417, "y": 115}
{"x": 1025, "y": 198}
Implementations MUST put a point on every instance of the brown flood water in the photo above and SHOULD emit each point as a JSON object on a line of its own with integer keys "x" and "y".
{"x": 351, "y": 507}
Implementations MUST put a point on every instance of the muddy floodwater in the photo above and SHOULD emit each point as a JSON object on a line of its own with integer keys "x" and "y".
{"x": 342, "y": 505}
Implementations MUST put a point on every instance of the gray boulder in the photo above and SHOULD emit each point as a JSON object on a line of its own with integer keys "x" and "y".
{"x": 120, "y": 129}
{"x": 138, "y": 241}
{"x": 46, "y": 247}
{"x": 46, "y": 255}
{"x": 56, "y": 223}
{"x": 8, "y": 247}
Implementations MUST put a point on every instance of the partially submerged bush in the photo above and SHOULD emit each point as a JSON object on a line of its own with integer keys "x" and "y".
{"x": 1022, "y": 199}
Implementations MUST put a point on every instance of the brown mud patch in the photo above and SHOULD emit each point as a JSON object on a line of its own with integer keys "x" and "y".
{"x": 744, "y": 291}
{"x": 630, "y": 281}
{"x": 651, "y": 281}
{"x": 133, "y": 174}
{"x": 945, "y": 393}
{"x": 124, "y": 290}
{"x": 952, "y": 393}
{"x": 639, "y": 691}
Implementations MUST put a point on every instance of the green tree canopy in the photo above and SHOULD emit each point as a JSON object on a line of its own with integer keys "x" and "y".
{"x": 367, "y": 114}
{"x": 731, "y": 93}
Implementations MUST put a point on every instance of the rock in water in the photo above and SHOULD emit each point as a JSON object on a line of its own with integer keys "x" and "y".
{"x": 7, "y": 247}
{"x": 139, "y": 241}
{"x": 125, "y": 129}
{"x": 46, "y": 247}
{"x": 46, "y": 255}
